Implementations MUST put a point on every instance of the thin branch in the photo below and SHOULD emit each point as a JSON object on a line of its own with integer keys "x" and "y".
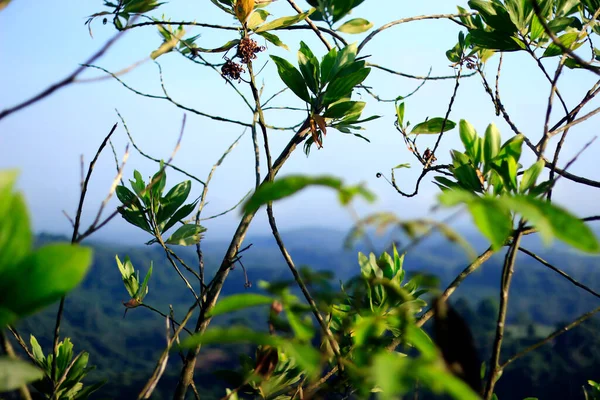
{"x": 507, "y": 272}
{"x": 76, "y": 238}
{"x": 21, "y": 343}
{"x": 214, "y": 288}
{"x": 173, "y": 320}
{"x": 164, "y": 357}
{"x": 551, "y": 337}
{"x": 558, "y": 271}
{"x": 65, "y": 82}
{"x": 439, "y": 138}
{"x": 135, "y": 146}
{"x": 169, "y": 99}
{"x": 584, "y": 64}
{"x": 417, "y": 77}
{"x": 474, "y": 266}
{"x": 410, "y": 19}
{"x": 311, "y": 24}
{"x": 288, "y": 259}
{"x": 121, "y": 72}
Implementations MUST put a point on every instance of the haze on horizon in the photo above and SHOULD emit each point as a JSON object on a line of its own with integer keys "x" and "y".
{"x": 45, "y": 141}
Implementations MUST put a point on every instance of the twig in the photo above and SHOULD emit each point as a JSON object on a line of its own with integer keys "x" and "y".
{"x": 478, "y": 262}
{"x": 417, "y": 77}
{"x": 162, "y": 314}
{"x": 118, "y": 73}
{"x": 68, "y": 80}
{"x": 551, "y": 337}
{"x": 311, "y": 24}
{"x": 135, "y": 146}
{"x": 584, "y": 64}
{"x": 22, "y": 343}
{"x": 439, "y": 138}
{"x": 169, "y": 99}
{"x": 162, "y": 361}
{"x": 76, "y": 238}
{"x": 507, "y": 272}
{"x": 558, "y": 271}
{"x": 410, "y": 19}
{"x": 214, "y": 288}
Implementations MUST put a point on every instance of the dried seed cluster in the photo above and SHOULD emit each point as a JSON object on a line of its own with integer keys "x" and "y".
{"x": 246, "y": 51}
{"x": 232, "y": 70}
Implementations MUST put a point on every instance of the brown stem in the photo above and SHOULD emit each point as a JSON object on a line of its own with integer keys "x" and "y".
{"x": 214, "y": 289}
{"x": 311, "y": 24}
{"x": 507, "y": 272}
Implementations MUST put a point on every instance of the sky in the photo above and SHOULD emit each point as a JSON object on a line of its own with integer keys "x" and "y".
{"x": 41, "y": 43}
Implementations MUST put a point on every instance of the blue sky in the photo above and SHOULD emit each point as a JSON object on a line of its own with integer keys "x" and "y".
{"x": 41, "y": 43}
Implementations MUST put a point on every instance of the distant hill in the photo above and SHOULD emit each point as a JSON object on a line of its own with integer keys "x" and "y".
{"x": 94, "y": 312}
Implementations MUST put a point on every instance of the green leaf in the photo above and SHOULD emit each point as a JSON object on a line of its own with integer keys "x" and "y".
{"x": 303, "y": 330}
{"x": 168, "y": 45}
{"x": 432, "y": 126}
{"x": 136, "y": 218}
{"x": 15, "y": 233}
{"x": 342, "y": 86}
{"x": 284, "y": 22}
{"x": 494, "y": 14}
{"x": 464, "y": 172}
{"x": 468, "y": 135}
{"x": 143, "y": 290}
{"x": 400, "y": 114}
{"x": 454, "y": 197}
{"x": 44, "y": 277}
{"x": 550, "y": 219}
{"x": 16, "y": 373}
{"x": 491, "y": 145}
{"x": 173, "y": 200}
{"x": 292, "y": 184}
{"x": 309, "y": 67}
{"x": 344, "y": 109}
{"x": 238, "y": 302}
{"x": 64, "y": 356}
{"x": 179, "y": 215}
{"x": 566, "y": 40}
{"x": 186, "y": 235}
{"x": 127, "y": 197}
{"x": 292, "y": 78}
{"x": 274, "y": 39}
{"x": 494, "y": 40}
{"x": 257, "y": 17}
{"x": 492, "y": 219}
{"x": 327, "y": 65}
{"x": 531, "y": 175}
{"x": 36, "y": 349}
{"x": 356, "y": 25}
{"x": 306, "y": 356}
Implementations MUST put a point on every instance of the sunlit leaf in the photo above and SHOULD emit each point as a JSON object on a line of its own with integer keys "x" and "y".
{"x": 356, "y": 25}
{"x": 433, "y": 126}
{"x": 186, "y": 235}
{"x": 239, "y": 302}
{"x": 16, "y": 373}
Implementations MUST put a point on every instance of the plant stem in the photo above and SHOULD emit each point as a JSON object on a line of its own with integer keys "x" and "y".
{"x": 507, "y": 272}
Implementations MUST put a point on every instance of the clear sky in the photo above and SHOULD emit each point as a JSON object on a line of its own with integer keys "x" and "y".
{"x": 41, "y": 42}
